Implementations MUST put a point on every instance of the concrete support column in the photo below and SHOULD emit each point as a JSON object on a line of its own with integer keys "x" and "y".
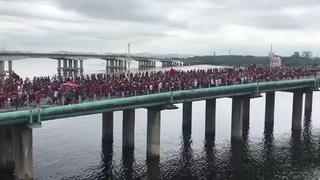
{"x": 2, "y": 70}
{"x": 246, "y": 112}
{"x": 1, "y": 66}
{"x": 107, "y": 126}
{"x": 308, "y": 104}
{"x": 210, "y": 125}
{"x": 269, "y": 111}
{"x": 237, "y": 118}
{"x": 107, "y": 66}
{"x": 112, "y": 66}
{"x": 75, "y": 66}
{"x": 59, "y": 68}
{"x": 70, "y": 66}
{"x": 153, "y": 133}
{"x": 122, "y": 66}
{"x": 81, "y": 67}
{"x": 117, "y": 66}
{"x": 10, "y": 66}
{"x": 23, "y": 152}
{"x": 297, "y": 110}
{"x": 187, "y": 117}
{"x": 65, "y": 67}
{"x": 69, "y": 63}
{"x": 6, "y": 149}
{"x": 128, "y": 129}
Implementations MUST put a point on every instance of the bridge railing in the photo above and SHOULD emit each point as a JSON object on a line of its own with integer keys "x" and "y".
{"x": 65, "y": 100}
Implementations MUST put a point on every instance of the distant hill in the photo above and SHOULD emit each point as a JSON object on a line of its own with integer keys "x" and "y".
{"x": 236, "y": 60}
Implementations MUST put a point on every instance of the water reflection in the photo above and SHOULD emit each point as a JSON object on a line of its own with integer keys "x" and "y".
{"x": 307, "y": 137}
{"x": 153, "y": 169}
{"x": 236, "y": 159}
{"x": 268, "y": 152}
{"x": 296, "y": 148}
{"x": 127, "y": 163}
{"x": 106, "y": 157}
{"x": 186, "y": 156}
{"x": 209, "y": 152}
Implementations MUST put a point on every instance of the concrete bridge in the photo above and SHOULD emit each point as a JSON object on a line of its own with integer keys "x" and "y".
{"x": 16, "y": 127}
{"x": 72, "y": 63}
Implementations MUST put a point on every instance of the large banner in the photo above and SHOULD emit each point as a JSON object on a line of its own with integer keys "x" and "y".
{"x": 275, "y": 61}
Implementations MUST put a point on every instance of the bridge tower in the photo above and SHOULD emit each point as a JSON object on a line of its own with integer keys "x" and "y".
{"x": 69, "y": 67}
{"x": 3, "y": 71}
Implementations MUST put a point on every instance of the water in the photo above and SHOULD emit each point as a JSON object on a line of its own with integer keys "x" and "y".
{"x": 71, "y": 148}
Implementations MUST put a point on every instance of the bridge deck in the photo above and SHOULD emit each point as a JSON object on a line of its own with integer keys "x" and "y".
{"x": 145, "y": 101}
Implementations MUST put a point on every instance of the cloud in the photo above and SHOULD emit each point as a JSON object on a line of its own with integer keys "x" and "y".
{"x": 123, "y": 10}
{"x": 167, "y": 26}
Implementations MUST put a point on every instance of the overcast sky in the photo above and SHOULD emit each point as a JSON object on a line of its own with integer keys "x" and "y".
{"x": 161, "y": 26}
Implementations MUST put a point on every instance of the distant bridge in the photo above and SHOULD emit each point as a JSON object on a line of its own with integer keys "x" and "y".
{"x": 72, "y": 63}
{"x": 16, "y": 127}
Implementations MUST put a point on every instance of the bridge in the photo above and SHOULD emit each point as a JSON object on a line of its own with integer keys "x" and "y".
{"x": 72, "y": 63}
{"x": 16, "y": 127}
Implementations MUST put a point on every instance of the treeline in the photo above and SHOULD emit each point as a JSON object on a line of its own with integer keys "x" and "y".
{"x": 236, "y": 60}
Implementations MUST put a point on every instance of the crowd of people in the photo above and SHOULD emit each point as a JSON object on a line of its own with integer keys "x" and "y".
{"x": 18, "y": 92}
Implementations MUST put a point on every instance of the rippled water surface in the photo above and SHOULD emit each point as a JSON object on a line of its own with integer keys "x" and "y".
{"x": 72, "y": 148}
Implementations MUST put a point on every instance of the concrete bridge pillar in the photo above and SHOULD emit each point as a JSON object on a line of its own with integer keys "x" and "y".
{"x": 107, "y": 66}
{"x": 6, "y": 149}
{"x": 210, "y": 125}
{"x": 10, "y": 66}
{"x": 65, "y": 66}
{"x": 153, "y": 133}
{"x": 297, "y": 110}
{"x": 23, "y": 158}
{"x": 269, "y": 109}
{"x": 2, "y": 74}
{"x": 107, "y": 126}
{"x": 75, "y": 66}
{"x": 81, "y": 67}
{"x": 187, "y": 117}
{"x": 237, "y": 118}
{"x": 59, "y": 68}
{"x": 308, "y": 104}
{"x": 128, "y": 129}
{"x": 246, "y": 112}
{"x": 70, "y": 66}
{"x": 112, "y": 66}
